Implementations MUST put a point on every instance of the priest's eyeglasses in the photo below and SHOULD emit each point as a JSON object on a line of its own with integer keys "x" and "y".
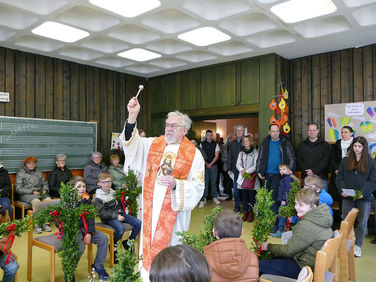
{"x": 172, "y": 125}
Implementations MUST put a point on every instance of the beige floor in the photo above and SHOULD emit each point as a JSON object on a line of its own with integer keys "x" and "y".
{"x": 365, "y": 266}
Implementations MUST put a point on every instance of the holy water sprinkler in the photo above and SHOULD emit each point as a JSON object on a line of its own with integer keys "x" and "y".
{"x": 140, "y": 88}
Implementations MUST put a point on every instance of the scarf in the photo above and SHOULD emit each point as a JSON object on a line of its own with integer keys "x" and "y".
{"x": 345, "y": 145}
{"x": 105, "y": 196}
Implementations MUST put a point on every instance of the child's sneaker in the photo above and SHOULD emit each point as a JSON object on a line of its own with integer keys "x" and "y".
{"x": 277, "y": 234}
{"x": 102, "y": 273}
{"x": 37, "y": 229}
{"x": 46, "y": 227}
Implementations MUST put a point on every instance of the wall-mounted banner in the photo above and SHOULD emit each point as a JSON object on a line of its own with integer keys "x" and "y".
{"x": 116, "y": 142}
{"x": 361, "y": 116}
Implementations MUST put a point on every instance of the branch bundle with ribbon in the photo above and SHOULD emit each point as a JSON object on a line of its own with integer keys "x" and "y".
{"x": 264, "y": 221}
{"x": 289, "y": 210}
{"x": 66, "y": 216}
{"x": 9, "y": 230}
{"x": 280, "y": 109}
{"x": 128, "y": 196}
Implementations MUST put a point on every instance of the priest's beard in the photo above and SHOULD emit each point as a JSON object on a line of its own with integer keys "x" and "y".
{"x": 170, "y": 139}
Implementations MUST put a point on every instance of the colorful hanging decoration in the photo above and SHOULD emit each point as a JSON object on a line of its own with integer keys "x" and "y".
{"x": 280, "y": 109}
{"x": 272, "y": 105}
{"x": 286, "y": 128}
{"x": 282, "y": 104}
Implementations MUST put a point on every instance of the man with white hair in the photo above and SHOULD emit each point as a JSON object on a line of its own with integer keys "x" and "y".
{"x": 172, "y": 170}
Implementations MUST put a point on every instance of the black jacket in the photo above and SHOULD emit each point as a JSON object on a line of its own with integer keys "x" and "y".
{"x": 5, "y": 184}
{"x": 366, "y": 183}
{"x": 287, "y": 154}
{"x": 233, "y": 153}
{"x": 109, "y": 210}
{"x": 55, "y": 178}
{"x": 314, "y": 156}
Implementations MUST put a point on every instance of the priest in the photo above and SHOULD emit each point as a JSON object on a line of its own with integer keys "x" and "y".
{"x": 172, "y": 172}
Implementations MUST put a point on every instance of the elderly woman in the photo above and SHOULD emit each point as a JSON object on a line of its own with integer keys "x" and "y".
{"x": 32, "y": 187}
{"x": 117, "y": 172}
{"x": 92, "y": 170}
{"x": 59, "y": 174}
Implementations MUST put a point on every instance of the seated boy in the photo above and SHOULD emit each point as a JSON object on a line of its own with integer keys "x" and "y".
{"x": 111, "y": 211}
{"x": 316, "y": 183}
{"x": 11, "y": 268}
{"x": 84, "y": 237}
{"x": 229, "y": 257}
{"x": 283, "y": 192}
{"x": 309, "y": 235}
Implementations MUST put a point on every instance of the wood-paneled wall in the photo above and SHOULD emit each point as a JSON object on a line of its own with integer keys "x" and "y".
{"x": 45, "y": 87}
{"x": 330, "y": 78}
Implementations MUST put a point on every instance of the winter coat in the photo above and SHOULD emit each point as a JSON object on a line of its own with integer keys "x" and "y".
{"x": 284, "y": 187}
{"x": 4, "y": 217}
{"x": 57, "y": 175}
{"x": 366, "y": 183}
{"x": 314, "y": 156}
{"x": 5, "y": 183}
{"x": 335, "y": 155}
{"x": 248, "y": 162}
{"x": 28, "y": 181}
{"x": 91, "y": 172}
{"x": 309, "y": 235}
{"x": 231, "y": 260}
{"x": 233, "y": 152}
{"x": 287, "y": 154}
{"x": 108, "y": 210}
{"x": 117, "y": 175}
{"x": 85, "y": 199}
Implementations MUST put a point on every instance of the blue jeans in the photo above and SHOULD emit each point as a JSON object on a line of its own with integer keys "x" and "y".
{"x": 280, "y": 266}
{"x": 362, "y": 218}
{"x": 236, "y": 191}
{"x": 10, "y": 269}
{"x": 5, "y": 202}
{"x": 211, "y": 177}
{"x": 119, "y": 227}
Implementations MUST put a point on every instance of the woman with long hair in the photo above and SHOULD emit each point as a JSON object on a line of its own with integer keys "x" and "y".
{"x": 357, "y": 171}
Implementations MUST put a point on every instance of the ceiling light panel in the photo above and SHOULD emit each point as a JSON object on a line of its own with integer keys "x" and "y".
{"x": 134, "y": 34}
{"x": 60, "y": 32}
{"x": 38, "y": 43}
{"x": 216, "y": 9}
{"x": 14, "y": 19}
{"x": 139, "y": 54}
{"x": 41, "y": 7}
{"x": 127, "y": 8}
{"x": 88, "y": 19}
{"x": 204, "y": 36}
{"x": 299, "y": 10}
{"x": 321, "y": 27}
{"x": 170, "y": 21}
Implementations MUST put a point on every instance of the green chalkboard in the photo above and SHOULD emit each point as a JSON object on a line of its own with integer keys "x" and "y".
{"x": 44, "y": 138}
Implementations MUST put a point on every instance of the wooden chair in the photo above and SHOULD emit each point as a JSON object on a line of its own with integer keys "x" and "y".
{"x": 107, "y": 229}
{"x": 19, "y": 204}
{"x": 48, "y": 242}
{"x": 326, "y": 259}
{"x": 305, "y": 275}
{"x": 346, "y": 249}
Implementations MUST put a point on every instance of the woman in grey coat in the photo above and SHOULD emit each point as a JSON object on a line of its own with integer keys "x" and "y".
{"x": 32, "y": 187}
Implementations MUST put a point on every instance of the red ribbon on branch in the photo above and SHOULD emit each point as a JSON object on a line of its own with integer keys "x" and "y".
{"x": 84, "y": 221}
{"x": 123, "y": 201}
{"x": 55, "y": 215}
{"x": 288, "y": 225}
{"x": 10, "y": 228}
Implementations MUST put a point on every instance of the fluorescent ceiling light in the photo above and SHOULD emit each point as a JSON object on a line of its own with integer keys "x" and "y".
{"x": 299, "y": 10}
{"x": 127, "y": 8}
{"x": 60, "y": 32}
{"x": 139, "y": 54}
{"x": 204, "y": 36}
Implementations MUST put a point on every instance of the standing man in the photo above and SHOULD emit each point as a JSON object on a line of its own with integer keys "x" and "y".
{"x": 172, "y": 170}
{"x": 233, "y": 153}
{"x": 313, "y": 155}
{"x": 212, "y": 151}
{"x": 275, "y": 149}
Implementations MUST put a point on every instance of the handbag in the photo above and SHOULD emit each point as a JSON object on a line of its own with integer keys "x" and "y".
{"x": 249, "y": 184}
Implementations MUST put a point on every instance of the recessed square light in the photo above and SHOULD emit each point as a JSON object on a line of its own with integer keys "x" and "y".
{"x": 204, "y": 36}
{"x": 139, "y": 54}
{"x": 299, "y": 10}
{"x": 127, "y": 8}
{"x": 60, "y": 32}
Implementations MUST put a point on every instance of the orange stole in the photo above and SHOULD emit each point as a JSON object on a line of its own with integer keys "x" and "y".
{"x": 167, "y": 216}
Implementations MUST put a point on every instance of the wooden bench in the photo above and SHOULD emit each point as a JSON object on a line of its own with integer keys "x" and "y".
{"x": 25, "y": 206}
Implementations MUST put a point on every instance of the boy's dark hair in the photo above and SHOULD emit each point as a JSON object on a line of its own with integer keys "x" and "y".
{"x": 228, "y": 224}
{"x": 209, "y": 131}
{"x": 181, "y": 263}
{"x": 308, "y": 196}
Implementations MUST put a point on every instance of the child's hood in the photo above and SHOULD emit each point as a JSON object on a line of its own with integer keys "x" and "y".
{"x": 320, "y": 216}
